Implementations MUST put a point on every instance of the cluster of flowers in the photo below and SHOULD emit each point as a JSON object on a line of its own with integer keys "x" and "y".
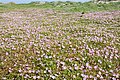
{"x": 47, "y": 44}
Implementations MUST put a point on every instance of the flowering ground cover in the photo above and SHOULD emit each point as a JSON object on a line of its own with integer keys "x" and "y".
{"x": 44, "y": 44}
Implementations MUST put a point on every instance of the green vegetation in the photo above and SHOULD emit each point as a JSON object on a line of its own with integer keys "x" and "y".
{"x": 64, "y": 6}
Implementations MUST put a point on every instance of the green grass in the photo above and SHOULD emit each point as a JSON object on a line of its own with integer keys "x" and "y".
{"x": 65, "y": 6}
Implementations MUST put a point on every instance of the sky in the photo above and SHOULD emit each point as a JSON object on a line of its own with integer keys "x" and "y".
{"x": 28, "y": 1}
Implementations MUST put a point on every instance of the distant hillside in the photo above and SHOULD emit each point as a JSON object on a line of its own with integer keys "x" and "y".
{"x": 64, "y": 6}
{"x": 106, "y": 0}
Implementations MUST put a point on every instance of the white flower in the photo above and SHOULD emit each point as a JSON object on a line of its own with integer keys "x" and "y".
{"x": 56, "y": 75}
{"x": 49, "y": 71}
{"x": 64, "y": 79}
{"x": 50, "y": 56}
{"x": 64, "y": 67}
{"x": 20, "y": 70}
{"x": 26, "y": 76}
{"x": 91, "y": 76}
{"x": 109, "y": 66}
{"x": 71, "y": 46}
{"x": 63, "y": 63}
{"x": 83, "y": 59}
{"x": 117, "y": 75}
{"x": 34, "y": 77}
{"x": 4, "y": 78}
{"x": 105, "y": 56}
{"x": 100, "y": 61}
{"x": 44, "y": 71}
{"x": 107, "y": 53}
{"x": 76, "y": 67}
{"x": 99, "y": 72}
{"x": 10, "y": 71}
{"x": 101, "y": 77}
{"x": 84, "y": 78}
{"x": 116, "y": 51}
{"x": 82, "y": 67}
{"x": 74, "y": 76}
{"x": 82, "y": 75}
{"x": 15, "y": 65}
{"x": 98, "y": 75}
{"x": 95, "y": 78}
{"x": 37, "y": 71}
{"x": 7, "y": 53}
{"x": 111, "y": 70}
{"x": 33, "y": 71}
{"x": 38, "y": 77}
{"x": 39, "y": 59}
{"x": 46, "y": 56}
{"x": 30, "y": 71}
{"x": 78, "y": 74}
{"x": 78, "y": 59}
{"x": 63, "y": 46}
{"x": 87, "y": 64}
{"x": 53, "y": 77}
{"x": 114, "y": 78}
{"x": 21, "y": 74}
